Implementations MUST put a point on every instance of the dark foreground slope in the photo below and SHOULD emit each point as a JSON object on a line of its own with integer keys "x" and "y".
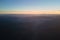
{"x": 17, "y": 27}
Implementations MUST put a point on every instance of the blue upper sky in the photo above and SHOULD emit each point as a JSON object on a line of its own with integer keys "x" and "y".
{"x": 32, "y": 5}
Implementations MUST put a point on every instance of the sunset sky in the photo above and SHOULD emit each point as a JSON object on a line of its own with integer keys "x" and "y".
{"x": 30, "y": 6}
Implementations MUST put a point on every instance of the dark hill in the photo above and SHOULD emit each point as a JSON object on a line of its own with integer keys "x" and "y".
{"x": 15, "y": 27}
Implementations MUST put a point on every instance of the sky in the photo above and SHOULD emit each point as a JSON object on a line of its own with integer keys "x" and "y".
{"x": 29, "y": 6}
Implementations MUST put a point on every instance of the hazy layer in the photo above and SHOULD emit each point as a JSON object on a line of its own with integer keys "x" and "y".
{"x": 30, "y": 12}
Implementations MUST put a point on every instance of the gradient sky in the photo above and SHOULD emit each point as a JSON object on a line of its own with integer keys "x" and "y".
{"x": 29, "y": 5}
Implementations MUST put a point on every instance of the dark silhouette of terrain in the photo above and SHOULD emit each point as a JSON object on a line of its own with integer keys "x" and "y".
{"x": 17, "y": 27}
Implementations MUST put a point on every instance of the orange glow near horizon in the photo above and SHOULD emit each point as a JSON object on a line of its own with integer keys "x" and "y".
{"x": 30, "y": 12}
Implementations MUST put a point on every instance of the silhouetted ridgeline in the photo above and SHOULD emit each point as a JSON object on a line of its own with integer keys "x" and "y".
{"x": 24, "y": 27}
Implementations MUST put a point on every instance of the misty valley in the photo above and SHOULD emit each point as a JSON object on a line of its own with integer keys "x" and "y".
{"x": 30, "y": 27}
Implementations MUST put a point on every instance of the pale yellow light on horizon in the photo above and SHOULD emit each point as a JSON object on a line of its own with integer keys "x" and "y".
{"x": 30, "y": 12}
